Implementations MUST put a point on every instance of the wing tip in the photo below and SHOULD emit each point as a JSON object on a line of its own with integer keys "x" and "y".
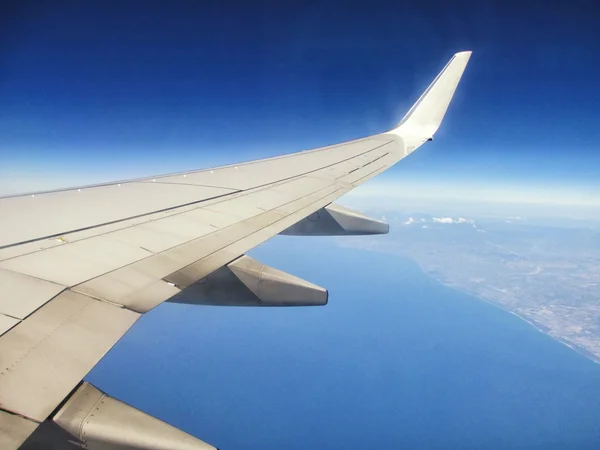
{"x": 426, "y": 115}
{"x": 466, "y": 53}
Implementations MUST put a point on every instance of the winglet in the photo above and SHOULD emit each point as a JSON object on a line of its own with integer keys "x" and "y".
{"x": 425, "y": 116}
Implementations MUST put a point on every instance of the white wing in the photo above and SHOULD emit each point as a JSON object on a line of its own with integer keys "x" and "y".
{"x": 79, "y": 266}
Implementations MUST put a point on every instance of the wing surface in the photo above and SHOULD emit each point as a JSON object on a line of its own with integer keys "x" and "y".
{"x": 79, "y": 266}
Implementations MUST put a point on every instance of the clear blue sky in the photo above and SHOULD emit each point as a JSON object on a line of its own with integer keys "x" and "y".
{"x": 95, "y": 91}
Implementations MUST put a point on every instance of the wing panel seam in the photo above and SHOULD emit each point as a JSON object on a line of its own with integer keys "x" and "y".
{"x": 56, "y": 235}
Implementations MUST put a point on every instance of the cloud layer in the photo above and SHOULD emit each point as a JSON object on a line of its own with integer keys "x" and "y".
{"x": 441, "y": 220}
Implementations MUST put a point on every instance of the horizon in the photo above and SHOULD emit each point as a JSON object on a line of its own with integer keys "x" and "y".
{"x": 88, "y": 102}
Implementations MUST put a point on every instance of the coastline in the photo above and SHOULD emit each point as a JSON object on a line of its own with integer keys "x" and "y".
{"x": 539, "y": 328}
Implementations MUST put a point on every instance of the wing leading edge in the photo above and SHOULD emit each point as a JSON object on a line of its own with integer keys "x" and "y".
{"x": 79, "y": 266}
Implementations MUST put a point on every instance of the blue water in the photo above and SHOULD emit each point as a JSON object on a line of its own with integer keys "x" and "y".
{"x": 396, "y": 360}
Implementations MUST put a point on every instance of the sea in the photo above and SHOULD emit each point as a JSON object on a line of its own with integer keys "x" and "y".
{"x": 395, "y": 360}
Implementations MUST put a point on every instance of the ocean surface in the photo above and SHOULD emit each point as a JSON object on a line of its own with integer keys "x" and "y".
{"x": 395, "y": 360}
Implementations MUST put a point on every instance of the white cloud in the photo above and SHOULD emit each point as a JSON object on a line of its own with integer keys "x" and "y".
{"x": 412, "y": 220}
{"x": 443, "y": 220}
{"x": 451, "y": 220}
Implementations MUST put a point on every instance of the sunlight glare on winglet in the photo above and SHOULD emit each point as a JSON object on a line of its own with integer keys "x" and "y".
{"x": 425, "y": 116}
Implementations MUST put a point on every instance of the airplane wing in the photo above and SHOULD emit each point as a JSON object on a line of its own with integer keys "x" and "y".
{"x": 79, "y": 266}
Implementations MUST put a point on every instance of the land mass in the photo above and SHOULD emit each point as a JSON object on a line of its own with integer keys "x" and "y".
{"x": 547, "y": 275}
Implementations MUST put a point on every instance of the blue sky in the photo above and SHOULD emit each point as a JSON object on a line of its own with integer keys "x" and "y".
{"x": 108, "y": 90}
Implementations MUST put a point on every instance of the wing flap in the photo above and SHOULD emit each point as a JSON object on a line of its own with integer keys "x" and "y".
{"x": 14, "y": 430}
{"x": 21, "y": 294}
{"x": 6, "y": 323}
{"x": 44, "y": 357}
